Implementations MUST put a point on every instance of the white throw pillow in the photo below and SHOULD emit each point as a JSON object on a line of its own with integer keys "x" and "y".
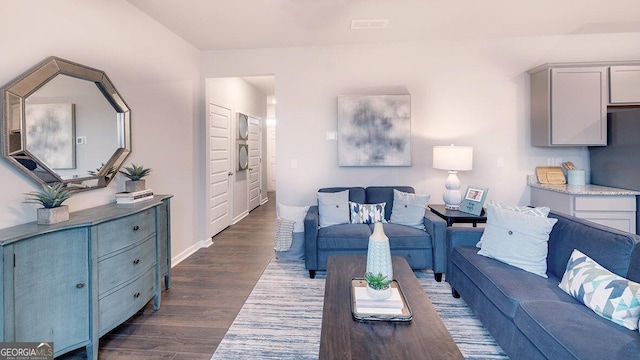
{"x": 408, "y": 209}
{"x": 293, "y": 213}
{"x": 533, "y": 211}
{"x": 517, "y": 239}
{"x": 333, "y": 208}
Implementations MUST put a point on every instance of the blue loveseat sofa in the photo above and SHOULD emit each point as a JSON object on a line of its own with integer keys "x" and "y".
{"x": 530, "y": 316}
{"x": 423, "y": 249}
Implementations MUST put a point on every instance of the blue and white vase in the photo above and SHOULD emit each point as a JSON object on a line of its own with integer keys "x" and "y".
{"x": 379, "y": 260}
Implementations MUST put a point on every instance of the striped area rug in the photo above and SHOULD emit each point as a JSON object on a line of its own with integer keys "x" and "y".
{"x": 283, "y": 316}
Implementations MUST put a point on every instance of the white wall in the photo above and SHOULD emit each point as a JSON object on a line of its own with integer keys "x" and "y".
{"x": 157, "y": 74}
{"x": 239, "y": 96}
{"x": 463, "y": 92}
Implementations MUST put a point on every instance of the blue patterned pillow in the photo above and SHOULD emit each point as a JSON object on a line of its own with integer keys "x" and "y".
{"x": 607, "y": 294}
{"x": 367, "y": 213}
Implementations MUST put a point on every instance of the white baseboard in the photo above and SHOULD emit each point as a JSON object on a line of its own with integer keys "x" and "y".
{"x": 189, "y": 251}
{"x": 240, "y": 217}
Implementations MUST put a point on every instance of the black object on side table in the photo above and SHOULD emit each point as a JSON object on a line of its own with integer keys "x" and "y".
{"x": 455, "y": 216}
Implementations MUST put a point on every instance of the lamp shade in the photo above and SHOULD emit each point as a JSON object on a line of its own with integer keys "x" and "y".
{"x": 459, "y": 158}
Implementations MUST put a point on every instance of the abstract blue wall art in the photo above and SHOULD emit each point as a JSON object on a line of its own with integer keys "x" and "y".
{"x": 374, "y": 130}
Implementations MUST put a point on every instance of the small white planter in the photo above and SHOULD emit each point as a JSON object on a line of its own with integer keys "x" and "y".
{"x": 379, "y": 294}
{"x": 134, "y": 185}
{"x": 48, "y": 216}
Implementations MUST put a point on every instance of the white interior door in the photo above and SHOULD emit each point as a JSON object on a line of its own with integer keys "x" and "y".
{"x": 255, "y": 163}
{"x": 271, "y": 157}
{"x": 218, "y": 169}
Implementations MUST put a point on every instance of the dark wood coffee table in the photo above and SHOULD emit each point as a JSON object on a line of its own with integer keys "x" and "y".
{"x": 342, "y": 337}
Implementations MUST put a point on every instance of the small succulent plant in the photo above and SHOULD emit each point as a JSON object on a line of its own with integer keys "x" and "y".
{"x": 49, "y": 197}
{"x": 377, "y": 282}
{"x": 96, "y": 171}
{"x": 135, "y": 172}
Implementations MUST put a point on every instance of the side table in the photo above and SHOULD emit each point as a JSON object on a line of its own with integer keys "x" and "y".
{"x": 455, "y": 216}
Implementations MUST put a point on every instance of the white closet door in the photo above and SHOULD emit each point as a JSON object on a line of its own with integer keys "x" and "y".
{"x": 255, "y": 163}
{"x": 218, "y": 169}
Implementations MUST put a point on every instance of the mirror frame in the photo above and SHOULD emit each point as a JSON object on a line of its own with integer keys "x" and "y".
{"x": 14, "y": 95}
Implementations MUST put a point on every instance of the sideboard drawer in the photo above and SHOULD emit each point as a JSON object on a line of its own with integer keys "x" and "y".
{"x": 117, "y": 269}
{"x": 117, "y": 234}
{"x": 122, "y": 304}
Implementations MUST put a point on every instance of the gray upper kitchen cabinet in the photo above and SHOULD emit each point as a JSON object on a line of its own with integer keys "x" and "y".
{"x": 624, "y": 84}
{"x": 568, "y": 106}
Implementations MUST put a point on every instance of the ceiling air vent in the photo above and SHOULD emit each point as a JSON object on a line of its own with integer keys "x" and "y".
{"x": 369, "y": 24}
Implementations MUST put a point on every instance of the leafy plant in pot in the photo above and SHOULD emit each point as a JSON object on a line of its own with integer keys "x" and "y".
{"x": 378, "y": 286}
{"x": 135, "y": 174}
{"x": 51, "y": 198}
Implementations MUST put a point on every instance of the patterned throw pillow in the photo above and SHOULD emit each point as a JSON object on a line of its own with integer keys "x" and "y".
{"x": 607, "y": 294}
{"x": 367, "y": 213}
{"x": 284, "y": 234}
{"x": 408, "y": 209}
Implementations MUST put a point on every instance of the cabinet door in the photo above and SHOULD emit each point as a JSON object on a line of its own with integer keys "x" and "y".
{"x": 51, "y": 278}
{"x": 578, "y": 106}
{"x": 624, "y": 84}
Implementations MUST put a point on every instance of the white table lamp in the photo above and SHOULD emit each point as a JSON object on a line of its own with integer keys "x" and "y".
{"x": 453, "y": 159}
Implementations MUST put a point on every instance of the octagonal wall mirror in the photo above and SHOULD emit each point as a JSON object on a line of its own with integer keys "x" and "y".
{"x": 64, "y": 122}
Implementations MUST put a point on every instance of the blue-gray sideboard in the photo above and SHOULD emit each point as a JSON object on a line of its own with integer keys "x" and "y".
{"x": 72, "y": 282}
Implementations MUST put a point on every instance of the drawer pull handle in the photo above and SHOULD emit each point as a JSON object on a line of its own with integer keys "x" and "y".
{"x": 136, "y": 261}
{"x": 80, "y": 285}
{"x": 136, "y": 295}
{"x": 136, "y": 228}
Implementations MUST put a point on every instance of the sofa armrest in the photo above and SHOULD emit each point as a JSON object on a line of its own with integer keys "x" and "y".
{"x": 460, "y": 236}
{"x": 311, "y": 221}
{"x": 436, "y": 227}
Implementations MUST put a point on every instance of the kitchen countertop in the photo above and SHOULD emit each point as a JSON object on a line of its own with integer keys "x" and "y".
{"x": 532, "y": 181}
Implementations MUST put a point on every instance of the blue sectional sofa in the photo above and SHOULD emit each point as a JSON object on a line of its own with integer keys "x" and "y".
{"x": 530, "y": 316}
{"x": 423, "y": 249}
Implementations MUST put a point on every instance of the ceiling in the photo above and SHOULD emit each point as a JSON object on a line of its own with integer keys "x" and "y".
{"x": 249, "y": 24}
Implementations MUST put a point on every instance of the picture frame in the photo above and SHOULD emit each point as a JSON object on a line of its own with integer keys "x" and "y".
{"x": 374, "y": 130}
{"x": 473, "y": 200}
{"x": 50, "y": 134}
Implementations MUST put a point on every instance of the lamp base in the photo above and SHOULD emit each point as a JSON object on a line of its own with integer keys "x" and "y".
{"x": 452, "y": 196}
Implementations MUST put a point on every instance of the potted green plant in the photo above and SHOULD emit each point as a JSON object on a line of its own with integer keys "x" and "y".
{"x": 378, "y": 286}
{"x": 135, "y": 174}
{"x": 51, "y": 198}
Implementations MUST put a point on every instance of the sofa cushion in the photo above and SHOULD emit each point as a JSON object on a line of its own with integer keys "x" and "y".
{"x": 562, "y": 330}
{"x": 503, "y": 284}
{"x": 356, "y": 194}
{"x": 344, "y": 236}
{"x": 333, "y": 208}
{"x": 378, "y": 194}
{"x": 517, "y": 239}
{"x": 408, "y": 209}
{"x": 609, "y": 247}
{"x": 607, "y": 294}
{"x": 366, "y": 213}
{"x": 405, "y": 237}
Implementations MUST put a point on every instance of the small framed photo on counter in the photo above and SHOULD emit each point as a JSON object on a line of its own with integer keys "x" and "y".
{"x": 473, "y": 200}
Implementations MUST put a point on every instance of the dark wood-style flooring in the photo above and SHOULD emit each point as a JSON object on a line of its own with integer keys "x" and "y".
{"x": 207, "y": 291}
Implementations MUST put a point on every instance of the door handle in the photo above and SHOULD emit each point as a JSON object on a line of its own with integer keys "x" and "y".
{"x": 230, "y": 173}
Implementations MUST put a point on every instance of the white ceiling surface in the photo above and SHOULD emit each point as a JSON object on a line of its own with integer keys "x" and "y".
{"x": 249, "y": 24}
